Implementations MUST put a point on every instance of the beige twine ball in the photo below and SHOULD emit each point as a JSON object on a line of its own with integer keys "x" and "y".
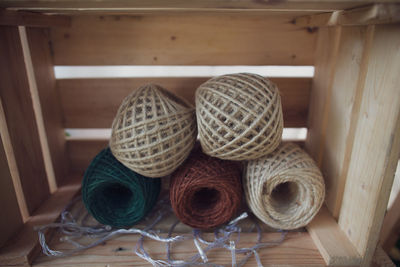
{"x": 153, "y": 131}
{"x": 239, "y": 116}
{"x": 285, "y": 189}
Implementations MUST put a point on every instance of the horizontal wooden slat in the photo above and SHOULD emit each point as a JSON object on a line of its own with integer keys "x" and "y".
{"x": 16, "y": 18}
{"x": 373, "y": 14}
{"x": 93, "y": 103}
{"x": 183, "y": 39}
{"x": 82, "y": 151}
{"x": 162, "y": 5}
{"x": 333, "y": 244}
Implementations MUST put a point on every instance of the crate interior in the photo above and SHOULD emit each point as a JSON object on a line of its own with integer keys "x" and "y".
{"x": 83, "y": 106}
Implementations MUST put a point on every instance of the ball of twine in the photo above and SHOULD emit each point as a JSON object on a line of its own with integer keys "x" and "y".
{"x": 284, "y": 189}
{"x": 239, "y": 116}
{"x": 153, "y": 131}
{"x": 114, "y": 195}
{"x": 205, "y": 192}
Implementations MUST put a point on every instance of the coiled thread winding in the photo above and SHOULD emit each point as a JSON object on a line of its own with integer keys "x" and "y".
{"x": 114, "y": 195}
{"x": 239, "y": 116}
{"x": 205, "y": 192}
{"x": 153, "y": 131}
{"x": 284, "y": 189}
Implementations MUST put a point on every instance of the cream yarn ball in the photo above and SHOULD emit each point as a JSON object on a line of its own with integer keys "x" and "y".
{"x": 284, "y": 189}
{"x": 239, "y": 116}
{"x": 153, "y": 131}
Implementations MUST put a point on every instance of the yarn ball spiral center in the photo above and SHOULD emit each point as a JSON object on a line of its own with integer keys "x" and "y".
{"x": 284, "y": 196}
{"x": 205, "y": 199}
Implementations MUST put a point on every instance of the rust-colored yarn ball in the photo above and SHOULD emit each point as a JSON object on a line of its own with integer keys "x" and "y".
{"x": 205, "y": 192}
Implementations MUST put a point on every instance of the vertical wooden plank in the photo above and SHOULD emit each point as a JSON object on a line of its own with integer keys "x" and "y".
{"x": 325, "y": 61}
{"x": 12, "y": 165}
{"x": 20, "y": 119}
{"x": 37, "y": 109}
{"x": 39, "y": 44}
{"x": 391, "y": 224}
{"x": 376, "y": 145}
{"x": 12, "y": 218}
{"x": 347, "y": 84}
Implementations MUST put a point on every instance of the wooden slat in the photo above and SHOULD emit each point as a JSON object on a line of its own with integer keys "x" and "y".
{"x": 33, "y": 88}
{"x": 82, "y": 151}
{"x": 343, "y": 108}
{"x": 185, "y": 39}
{"x": 12, "y": 220}
{"x": 374, "y": 14}
{"x": 20, "y": 18}
{"x": 49, "y": 100}
{"x": 376, "y": 146}
{"x": 93, "y": 103}
{"x": 391, "y": 224}
{"x": 24, "y": 247}
{"x": 333, "y": 244}
{"x": 20, "y": 118}
{"x": 12, "y": 165}
{"x": 326, "y": 55}
{"x": 160, "y": 5}
{"x": 297, "y": 250}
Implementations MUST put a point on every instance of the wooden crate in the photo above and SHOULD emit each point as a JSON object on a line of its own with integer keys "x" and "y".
{"x": 351, "y": 107}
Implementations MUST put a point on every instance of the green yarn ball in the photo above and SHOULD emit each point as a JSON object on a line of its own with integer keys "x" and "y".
{"x": 116, "y": 196}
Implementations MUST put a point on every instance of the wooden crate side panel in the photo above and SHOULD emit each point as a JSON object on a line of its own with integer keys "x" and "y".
{"x": 20, "y": 119}
{"x": 334, "y": 107}
{"x": 326, "y": 55}
{"x": 93, "y": 103}
{"x": 343, "y": 105}
{"x": 23, "y": 247}
{"x": 183, "y": 39}
{"x": 376, "y": 146}
{"x": 11, "y": 220}
{"x": 49, "y": 100}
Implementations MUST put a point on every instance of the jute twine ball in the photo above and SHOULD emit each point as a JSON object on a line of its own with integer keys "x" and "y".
{"x": 153, "y": 131}
{"x": 114, "y": 195}
{"x": 205, "y": 192}
{"x": 239, "y": 116}
{"x": 284, "y": 189}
